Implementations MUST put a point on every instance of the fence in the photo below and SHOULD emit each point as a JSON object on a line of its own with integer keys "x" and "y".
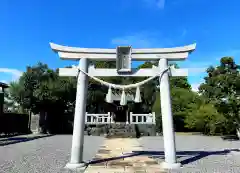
{"x": 98, "y": 118}
{"x": 142, "y": 118}
{"x": 12, "y": 123}
{"x": 108, "y": 119}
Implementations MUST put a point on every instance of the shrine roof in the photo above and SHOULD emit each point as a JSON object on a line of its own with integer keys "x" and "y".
{"x": 117, "y": 97}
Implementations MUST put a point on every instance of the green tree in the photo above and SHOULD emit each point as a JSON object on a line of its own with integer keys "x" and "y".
{"x": 206, "y": 119}
{"x": 13, "y": 96}
{"x": 221, "y": 87}
{"x": 182, "y": 96}
{"x": 149, "y": 90}
{"x": 41, "y": 90}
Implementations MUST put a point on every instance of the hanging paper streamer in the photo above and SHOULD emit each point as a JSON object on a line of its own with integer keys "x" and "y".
{"x": 138, "y": 96}
{"x": 123, "y": 99}
{"x": 109, "y": 98}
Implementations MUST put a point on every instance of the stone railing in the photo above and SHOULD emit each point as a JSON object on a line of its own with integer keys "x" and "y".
{"x": 98, "y": 118}
{"x": 142, "y": 118}
{"x": 108, "y": 119}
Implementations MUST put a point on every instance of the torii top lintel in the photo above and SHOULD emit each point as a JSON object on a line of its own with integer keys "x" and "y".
{"x": 75, "y": 53}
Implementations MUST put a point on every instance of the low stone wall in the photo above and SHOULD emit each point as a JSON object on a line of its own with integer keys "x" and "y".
{"x": 128, "y": 129}
{"x": 147, "y": 129}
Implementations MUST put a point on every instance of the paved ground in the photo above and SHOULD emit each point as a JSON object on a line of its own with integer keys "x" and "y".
{"x": 43, "y": 155}
{"x": 50, "y": 154}
{"x": 118, "y": 157}
{"x": 199, "y": 154}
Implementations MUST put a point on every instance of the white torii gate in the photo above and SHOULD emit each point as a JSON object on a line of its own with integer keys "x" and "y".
{"x": 123, "y": 57}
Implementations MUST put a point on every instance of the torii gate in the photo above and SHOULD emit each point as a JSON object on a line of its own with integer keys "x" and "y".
{"x": 123, "y": 57}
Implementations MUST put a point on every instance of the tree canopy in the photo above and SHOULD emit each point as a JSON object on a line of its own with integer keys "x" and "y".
{"x": 221, "y": 88}
{"x": 214, "y": 110}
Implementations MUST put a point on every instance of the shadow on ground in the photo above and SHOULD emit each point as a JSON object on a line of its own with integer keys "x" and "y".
{"x": 99, "y": 160}
{"x": 194, "y": 155}
{"x": 230, "y": 138}
{"x": 12, "y": 135}
{"x": 14, "y": 140}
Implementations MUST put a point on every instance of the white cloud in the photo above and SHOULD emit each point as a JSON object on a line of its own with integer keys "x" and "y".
{"x": 209, "y": 59}
{"x": 3, "y": 81}
{"x": 139, "y": 40}
{"x": 194, "y": 71}
{"x": 184, "y": 33}
{"x": 214, "y": 60}
{"x": 233, "y": 53}
{"x": 161, "y": 4}
{"x": 14, "y": 72}
{"x": 195, "y": 86}
{"x": 155, "y": 3}
{"x": 132, "y": 40}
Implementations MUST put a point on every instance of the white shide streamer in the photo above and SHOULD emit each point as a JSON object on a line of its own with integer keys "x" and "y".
{"x": 123, "y": 101}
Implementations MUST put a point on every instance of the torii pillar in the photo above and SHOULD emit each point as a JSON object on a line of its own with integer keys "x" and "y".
{"x": 167, "y": 120}
{"x": 76, "y": 159}
{"x": 163, "y": 55}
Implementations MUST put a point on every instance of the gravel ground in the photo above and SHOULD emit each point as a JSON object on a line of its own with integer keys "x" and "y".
{"x": 50, "y": 154}
{"x": 199, "y": 154}
{"x": 43, "y": 155}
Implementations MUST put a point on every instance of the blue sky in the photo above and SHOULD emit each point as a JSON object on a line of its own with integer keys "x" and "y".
{"x": 27, "y": 27}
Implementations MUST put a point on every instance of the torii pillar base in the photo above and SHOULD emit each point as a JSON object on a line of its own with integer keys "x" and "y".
{"x": 76, "y": 166}
{"x": 170, "y": 166}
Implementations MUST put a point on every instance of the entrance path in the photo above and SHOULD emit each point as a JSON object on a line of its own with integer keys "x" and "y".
{"x": 117, "y": 156}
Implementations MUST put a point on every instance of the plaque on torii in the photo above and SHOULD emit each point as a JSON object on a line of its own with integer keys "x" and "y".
{"x": 123, "y": 59}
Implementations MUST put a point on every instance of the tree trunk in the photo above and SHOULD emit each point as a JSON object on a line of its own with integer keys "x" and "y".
{"x": 42, "y": 122}
{"x": 29, "y": 121}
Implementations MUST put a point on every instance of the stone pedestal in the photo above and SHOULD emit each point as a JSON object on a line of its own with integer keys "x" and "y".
{"x": 34, "y": 126}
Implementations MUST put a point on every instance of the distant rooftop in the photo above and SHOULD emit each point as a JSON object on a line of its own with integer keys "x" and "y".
{"x": 3, "y": 85}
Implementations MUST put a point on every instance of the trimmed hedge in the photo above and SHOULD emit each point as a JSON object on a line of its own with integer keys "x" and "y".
{"x": 12, "y": 123}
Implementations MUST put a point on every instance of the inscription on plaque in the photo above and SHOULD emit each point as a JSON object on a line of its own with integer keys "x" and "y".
{"x": 123, "y": 60}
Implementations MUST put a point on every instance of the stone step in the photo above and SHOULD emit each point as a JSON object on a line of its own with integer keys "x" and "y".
{"x": 121, "y": 130}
